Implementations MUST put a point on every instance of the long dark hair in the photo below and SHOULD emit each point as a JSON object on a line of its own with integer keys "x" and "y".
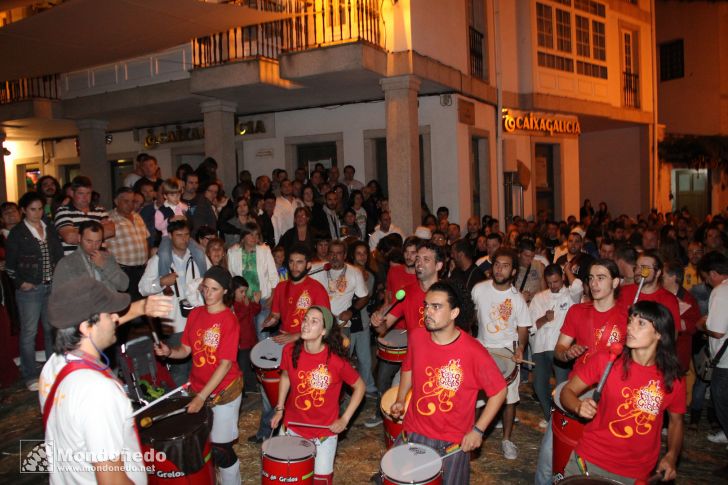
{"x": 457, "y": 297}
{"x": 666, "y": 358}
{"x": 334, "y": 341}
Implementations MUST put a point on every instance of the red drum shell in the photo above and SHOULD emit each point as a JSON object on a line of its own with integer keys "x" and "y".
{"x": 296, "y": 467}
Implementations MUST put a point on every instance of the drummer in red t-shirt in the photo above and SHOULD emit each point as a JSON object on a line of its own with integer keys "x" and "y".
{"x": 292, "y": 298}
{"x": 401, "y": 275}
{"x": 314, "y": 369}
{"x": 445, "y": 369}
{"x": 211, "y": 339}
{"x": 622, "y": 441}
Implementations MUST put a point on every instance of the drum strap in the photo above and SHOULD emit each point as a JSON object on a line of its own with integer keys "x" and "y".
{"x": 525, "y": 277}
{"x": 67, "y": 369}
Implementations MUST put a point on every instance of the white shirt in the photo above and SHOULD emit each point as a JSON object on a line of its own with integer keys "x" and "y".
{"x": 500, "y": 313}
{"x": 283, "y": 215}
{"x": 91, "y": 417}
{"x": 342, "y": 285}
{"x": 378, "y": 234}
{"x": 718, "y": 321}
{"x": 547, "y": 336}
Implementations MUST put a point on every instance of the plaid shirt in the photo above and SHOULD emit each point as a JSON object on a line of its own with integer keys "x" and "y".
{"x": 129, "y": 245}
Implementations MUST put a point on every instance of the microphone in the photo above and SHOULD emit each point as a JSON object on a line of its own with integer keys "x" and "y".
{"x": 325, "y": 267}
{"x": 398, "y": 297}
{"x": 644, "y": 272}
{"x": 614, "y": 350}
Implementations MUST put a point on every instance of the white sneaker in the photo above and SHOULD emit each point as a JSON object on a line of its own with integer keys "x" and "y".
{"x": 510, "y": 450}
{"x": 543, "y": 424}
{"x": 373, "y": 421}
{"x": 499, "y": 424}
{"x": 717, "y": 437}
{"x": 32, "y": 386}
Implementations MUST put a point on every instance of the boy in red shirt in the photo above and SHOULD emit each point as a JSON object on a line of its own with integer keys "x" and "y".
{"x": 445, "y": 369}
{"x": 245, "y": 310}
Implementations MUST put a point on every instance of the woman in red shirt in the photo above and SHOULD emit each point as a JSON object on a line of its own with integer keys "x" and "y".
{"x": 211, "y": 338}
{"x": 314, "y": 369}
{"x": 622, "y": 440}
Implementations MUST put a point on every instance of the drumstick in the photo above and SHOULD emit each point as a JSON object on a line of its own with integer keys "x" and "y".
{"x": 644, "y": 273}
{"x": 169, "y": 394}
{"x": 425, "y": 465}
{"x": 523, "y": 361}
{"x": 147, "y": 421}
{"x": 399, "y": 296}
{"x": 307, "y": 425}
{"x": 614, "y": 350}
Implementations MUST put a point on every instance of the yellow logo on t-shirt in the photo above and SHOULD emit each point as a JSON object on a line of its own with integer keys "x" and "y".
{"x": 499, "y": 316}
{"x": 441, "y": 386}
{"x": 205, "y": 346}
{"x": 639, "y": 410}
{"x": 312, "y": 388}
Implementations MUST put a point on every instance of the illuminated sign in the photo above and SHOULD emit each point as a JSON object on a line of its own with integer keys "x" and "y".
{"x": 520, "y": 121}
{"x": 181, "y": 133}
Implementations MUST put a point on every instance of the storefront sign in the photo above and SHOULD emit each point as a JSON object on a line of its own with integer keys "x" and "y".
{"x": 160, "y": 136}
{"x": 259, "y": 126}
{"x": 520, "y": 121}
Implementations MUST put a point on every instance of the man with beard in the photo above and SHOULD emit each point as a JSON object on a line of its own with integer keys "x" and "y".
{"x": 428, "y": 263}
{"x": 503, "y": 323}
{"x": 399, "y": 275}
{"x": 332, "y": 218}
{"x": 649, "y": 268}
{"x": 50, "y": 189}
{"x": 444, "y": 421}
{"x": 578, "y": 260}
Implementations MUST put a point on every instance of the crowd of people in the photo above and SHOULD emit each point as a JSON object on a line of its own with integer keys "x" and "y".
{"x": 316, "y": 263}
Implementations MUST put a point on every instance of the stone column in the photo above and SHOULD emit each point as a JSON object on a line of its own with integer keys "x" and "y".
{"x": 403, "y": 150}
{"x": 219, "y": 119}
{"x": 3, "y": 187}
{"x": 94, "y": 162}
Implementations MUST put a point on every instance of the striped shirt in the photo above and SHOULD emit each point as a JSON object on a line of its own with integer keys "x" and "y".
{"x": 68, "y": 215}
{"x": 129, "y": 244}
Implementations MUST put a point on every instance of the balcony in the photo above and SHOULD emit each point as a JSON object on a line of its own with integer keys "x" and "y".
{"x": 477, "y": 60}
{"x": 25, "y": 89}
{"x": 318, "y": 23}
{"x": 630, "y": 90}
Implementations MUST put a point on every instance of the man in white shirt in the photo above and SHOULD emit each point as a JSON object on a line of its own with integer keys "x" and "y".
{"x": 503, "y": 323}
{"x": 713, "y": 269}
{"x": 286, "y": 206}
{"x": 349, "y": 180}
{"x": 88, "y": 415}
{"x": 181, "y": 283}
{"x": 384, "y": 228}
{"x": 548, "y": 310}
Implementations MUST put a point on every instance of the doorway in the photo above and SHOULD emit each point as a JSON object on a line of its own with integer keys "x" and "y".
{"x": 691, "y": 190}
{"x": 545, "y": 187}
{"x": 309, "y": 154}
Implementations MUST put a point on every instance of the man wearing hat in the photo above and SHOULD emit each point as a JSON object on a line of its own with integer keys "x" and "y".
{"x": 86, "y": 412}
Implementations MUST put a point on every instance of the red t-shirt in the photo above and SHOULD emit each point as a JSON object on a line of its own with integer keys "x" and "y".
{"x": 689, "y": 318}
{"x": 412, "y": 307}
{"x": 445, "y": 384}
{"x": 315, "y": 388}
{"x": 398, "y": 279}
{"x": 213, "y": 337}
{"x": 246, "y": 315}
{"x": 292, "y": 301}
{"x": 627, "y": 293}
{"x": 624, "y": 436}
{"x": 586, "y": 325}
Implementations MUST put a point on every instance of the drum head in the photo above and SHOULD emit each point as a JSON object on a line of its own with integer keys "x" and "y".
{"x": 507, "y": 367}
{"x": 557, "y": 396}
{"x": 589, "y": 480}
{"x": 288, "y": 448}
{"x": 175, "y": 427}
{"x": 390, "y": 396}
{"x": 396, "y": 338}
{"x": 399, "y": 463}
{"x": 267, "y": 354}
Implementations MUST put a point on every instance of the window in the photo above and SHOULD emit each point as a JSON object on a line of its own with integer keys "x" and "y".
{"x": 563, "y": 30}
{"x": 672, "y": 61}
{"x": 583, "y": 48}
{"x": 600, "y": 41}
{"x": 544, "y": 20}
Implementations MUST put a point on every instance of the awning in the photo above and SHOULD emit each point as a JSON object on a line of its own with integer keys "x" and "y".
{"x": 83, "y": 33}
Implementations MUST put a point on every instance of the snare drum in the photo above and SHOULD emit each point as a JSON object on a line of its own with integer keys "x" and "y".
{"x": 506, "y": 365}
{"x": 185, "y": 441}
{"x": 411, "y": 464}
{"x": 393, "y": 346}
{"x": 287, "y": 459}
{"x": 567, "y": 429}
{"x": 266, "y": 357}
{"x": 392, "y": 426}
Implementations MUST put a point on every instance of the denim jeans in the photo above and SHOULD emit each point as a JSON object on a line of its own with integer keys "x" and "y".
{"x": 260, "y": 318}
{"x": 545, "y": 464}
{"x": 33, "y": 306}
{"x": 360, "y": 345}
{"x": 542, "y": 373}
{"x": 719, "y": 394}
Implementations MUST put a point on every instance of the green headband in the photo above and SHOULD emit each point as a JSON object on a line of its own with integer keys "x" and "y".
{"x": 328, "y": 317}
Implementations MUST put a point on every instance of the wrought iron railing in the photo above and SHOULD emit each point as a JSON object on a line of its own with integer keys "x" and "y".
{"x": 23, "y": 89}
{"x": 631, "y": 89}
{"x": 313, "y": 23}
{"x": 477, "y": 58}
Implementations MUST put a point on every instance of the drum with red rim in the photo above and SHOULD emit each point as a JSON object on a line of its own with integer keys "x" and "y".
{"x": 266, "y": 357}
{"x": 411, "y": 464}
{"x": 287, "y": 459}
{"x": 393, "y": 346}
{"x": 567, "y": 429}
{"x": 507, "y": 366}
{"x": 179, "y": 446}
{"x": 392, "y": 425}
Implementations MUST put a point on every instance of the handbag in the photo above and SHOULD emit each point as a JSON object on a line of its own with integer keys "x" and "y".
{"x": 704, "y": 365}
